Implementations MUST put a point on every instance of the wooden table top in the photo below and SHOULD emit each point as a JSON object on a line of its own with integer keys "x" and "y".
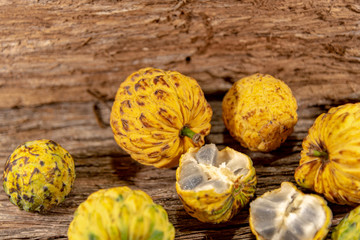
{"x": 62, "y": 62}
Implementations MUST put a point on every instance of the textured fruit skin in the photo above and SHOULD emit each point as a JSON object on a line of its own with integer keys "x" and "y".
{"x": 329, "y": 163}
{"x": 120, "y": 213}
{"x": 348, "y": 228}
{"x": 260, "y": 112}
{"x": 321, "y": 234}
{"x": 212, "y": 207}
{"x": 151, "y": 108}
{"x": 38, "y": 175}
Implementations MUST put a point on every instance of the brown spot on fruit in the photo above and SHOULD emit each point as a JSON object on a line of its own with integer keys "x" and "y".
{"x": 140, "y": 103}
{"x": 36, "y": 171}
{"x": 153, "y": 154}
{"x": 165, "y": 147}
{"x": 125, "y": 124}
{"x": 144, "y": 121}
{"x": 127, "y": 90}
{"x": 63, "y": 187}
{"x": 123, "y": 105}
{"x": 134, "y": 77}
{"x": 165, "y": 115}
{"x": 160, "y": 80}
{"x": 161, "y": 94}
{"x": 249, "y": 114}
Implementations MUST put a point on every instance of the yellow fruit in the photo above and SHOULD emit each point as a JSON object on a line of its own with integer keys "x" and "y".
{"x": 215, "y": 185}
{"x": 157, "y": 115}
{"x": 120, "y": 213}
{"x": 329, "y": 162}
{"x": 348, "y": 228}
{"x": 287, "y": 213}
{"x": 38, "y": 175}
{"x": 260, "y": 112}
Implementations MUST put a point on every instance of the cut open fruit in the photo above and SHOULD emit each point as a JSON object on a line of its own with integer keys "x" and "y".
{"x": 287, "y": 213}
{"x": 214, "y": 185}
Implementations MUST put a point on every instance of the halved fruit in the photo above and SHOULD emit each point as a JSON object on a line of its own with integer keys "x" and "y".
{"x": 214, "y": 185}
{"x": 287, "y": 213}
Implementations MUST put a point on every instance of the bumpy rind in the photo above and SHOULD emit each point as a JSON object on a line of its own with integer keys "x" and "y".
{"x": 120, "y": 213}
{"x": 260, "y": 112}
{"x": 348, "y": 228}
{"x": 38, "y": 175}
{"x": 151, "y": 108}
{"x": 336, "y": 174}
{"x": 212, "y": 207}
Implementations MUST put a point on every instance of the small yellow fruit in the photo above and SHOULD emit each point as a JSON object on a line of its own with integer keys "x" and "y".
{"x": 215, "y": 185}
{"x": 348, "y": 228}
{"x": 120, "y": 213}
{"x": 287, "y": 213}
{"x": 38, "y": 175}
{"x": 158, "y": 115}
{"x": 260, "y": 112}
{"x": 329, "y": 163}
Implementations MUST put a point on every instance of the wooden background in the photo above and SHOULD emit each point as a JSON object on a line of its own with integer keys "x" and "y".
{"x": 61, "y": 63}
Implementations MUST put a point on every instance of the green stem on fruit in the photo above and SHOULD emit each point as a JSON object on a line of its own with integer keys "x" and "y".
{"x": 320, "y": 154}
{"x": 187, "y": 132}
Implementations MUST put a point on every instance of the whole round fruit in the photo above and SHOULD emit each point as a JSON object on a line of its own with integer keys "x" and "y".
{"x": 157, "y": 115}
{"x": 260, "y": 112}
{"x": 287, "y": 213}
{"x": 329, "y": 163}
{"x": 38, "y": 175}
{"x": 348, "y": 228}
{"x": 215, "y": 185}
{"x": 120, "y": 213}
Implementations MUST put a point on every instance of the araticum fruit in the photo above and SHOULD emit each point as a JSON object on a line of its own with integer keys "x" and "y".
{"x": 348, "y": 228}
{"x": 215, "y": 185}
{"x": 287, "y": 213}
{"x": 260, "y": 112}
{"x": 158, "y": 115}
{"x": 38, "y": 175}
{"x": 329, "y": 163}
{"x": 120, "y": 213}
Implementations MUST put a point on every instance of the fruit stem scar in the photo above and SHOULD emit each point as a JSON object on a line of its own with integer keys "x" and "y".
{"x": 186, "y": 131}
{"x": 319, "y": 154}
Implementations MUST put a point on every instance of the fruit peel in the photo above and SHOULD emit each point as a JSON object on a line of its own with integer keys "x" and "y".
{"x": 38, "y": 175}
{"x": 157, "y": 115}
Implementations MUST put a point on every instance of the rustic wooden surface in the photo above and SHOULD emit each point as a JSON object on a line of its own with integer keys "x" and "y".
{"x": 62, "y": 61}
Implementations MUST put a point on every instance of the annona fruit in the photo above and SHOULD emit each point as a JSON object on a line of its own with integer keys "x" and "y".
{"x": 260, "y": 112}
{"x": 349, "y": 227}
{"x": 329, "y": 162}
{"x": 287, "y": 213}
{"x": 120, "y": 213}
{"x": 157, "y": 115}
{"x": 38, "y": 175}
{"x": 214, "y": 185}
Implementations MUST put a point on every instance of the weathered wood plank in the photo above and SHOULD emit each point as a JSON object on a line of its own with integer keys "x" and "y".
{"x": 53, "y": 51}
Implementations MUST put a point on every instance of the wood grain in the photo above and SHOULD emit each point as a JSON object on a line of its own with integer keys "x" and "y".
{"x": 61, "y": 63}
{"x": 55, "y": 50}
